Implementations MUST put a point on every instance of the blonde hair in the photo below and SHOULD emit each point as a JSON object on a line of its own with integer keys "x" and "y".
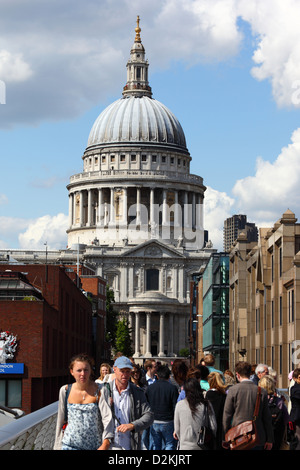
{"x": 267, "y": 382}
{"x": 215, "y": 380}
{"x": 104, "y": 364}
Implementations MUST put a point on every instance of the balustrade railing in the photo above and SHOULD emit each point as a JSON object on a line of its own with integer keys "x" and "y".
{"x": 35, "y": 431}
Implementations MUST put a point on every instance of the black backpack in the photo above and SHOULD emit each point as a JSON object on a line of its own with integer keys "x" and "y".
{"x": 277, "y": 422}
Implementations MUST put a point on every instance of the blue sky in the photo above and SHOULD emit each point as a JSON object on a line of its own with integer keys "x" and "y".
{"x": 228, "y": 69}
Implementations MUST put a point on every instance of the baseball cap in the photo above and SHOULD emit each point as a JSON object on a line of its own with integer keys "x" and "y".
{"x": 123, "y": 363}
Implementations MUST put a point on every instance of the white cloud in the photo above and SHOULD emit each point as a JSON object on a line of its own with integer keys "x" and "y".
{"x": 274, "y": 187}
{"x": 10, "y": 227}
{"x": 13, "y": 68}
{"x": 195, "y": 31}
{"x": 217, "y": 208}
{"x": 68, "y": 54}
{"x": 3, "y": 199}
{"x": 275, "y": 24}
{"x": 47, "y": 229}
{"x": 61, "y": 57}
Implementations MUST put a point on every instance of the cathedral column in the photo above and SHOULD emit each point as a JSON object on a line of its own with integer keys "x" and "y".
{"x": 161, "y": 334}
{"x": 130, "y": 281}
{"x": 89, "y": 222}
{"x": 137, "y": 335}
{"x": 181, "y": 290}
{"x": 164, "y": 208}
{"x": 176, "y": 210}
{"x": 171, "y": 334}
{"x": 111, "y": 207}
{"x": 81, "y": 208}
{"x": 186, "y": 209}
{"x": 138, "y": 205}
{"x": 148, "y": 334}
{"x": 152, "y": 215}
{"x": 125, "y": 206}
{"x": 74, "y": 209}
{"x": 200, "y": 212}
{"x": 100, "y": 207}
{"x": 194, "y": 210}
{"x": 71, "y": 209}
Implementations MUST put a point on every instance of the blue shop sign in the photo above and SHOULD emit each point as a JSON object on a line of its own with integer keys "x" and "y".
{"x": 11, "y": 368}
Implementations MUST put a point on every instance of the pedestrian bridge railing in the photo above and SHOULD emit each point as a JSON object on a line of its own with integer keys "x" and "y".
{"x": 35, "y": 431}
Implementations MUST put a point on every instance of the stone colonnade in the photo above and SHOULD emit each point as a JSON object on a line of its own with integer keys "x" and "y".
{"x": 139, "y": 319}
{"x": 114, "y": 205}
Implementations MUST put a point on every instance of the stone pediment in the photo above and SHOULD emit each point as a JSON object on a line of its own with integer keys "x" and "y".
{"x": 153, "y": 249}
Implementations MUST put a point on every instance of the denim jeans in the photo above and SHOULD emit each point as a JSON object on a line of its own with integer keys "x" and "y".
{"x": 162, "y": 436}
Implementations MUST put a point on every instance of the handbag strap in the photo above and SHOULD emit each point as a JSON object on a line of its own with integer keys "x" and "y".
{"x": 68, "y": 389}
{"x": 257, "y": 404}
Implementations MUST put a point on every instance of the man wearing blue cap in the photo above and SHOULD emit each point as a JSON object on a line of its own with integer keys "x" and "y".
{"x": 131, "y": 411}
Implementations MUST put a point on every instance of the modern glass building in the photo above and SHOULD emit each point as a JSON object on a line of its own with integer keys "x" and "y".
{"x": 215, "y": 320}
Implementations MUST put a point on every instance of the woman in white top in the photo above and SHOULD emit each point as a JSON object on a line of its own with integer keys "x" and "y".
{"x": 105, "y": 369}
{"x": 84, "y": 419}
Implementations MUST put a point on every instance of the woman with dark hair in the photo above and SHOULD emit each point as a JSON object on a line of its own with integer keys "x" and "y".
{"x": 179, "y": 371}
{"x": 136, "y": 375}
{"x": 190, "y": 416}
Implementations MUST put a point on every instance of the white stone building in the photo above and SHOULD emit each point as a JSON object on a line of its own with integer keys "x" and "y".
{"x": 136, "y": 213}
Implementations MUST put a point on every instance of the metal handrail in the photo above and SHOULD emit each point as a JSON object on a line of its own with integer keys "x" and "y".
{"x": 35, "y": 431}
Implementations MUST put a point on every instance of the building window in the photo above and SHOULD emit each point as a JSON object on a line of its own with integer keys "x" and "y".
{"x": 280, "y": 261}
{"x": 257, "y": 329}
{"x": 133, "y": 158}
{"x": 280, "y": 359}
{"x": 163, "y": 159}
{"x": 153, "y": 158}
{"x": 280, "y": 310}
{"x": 144, "y": 158}
{"x": 152, "y": 279}
{"x": 11, "y": 393}
{"x": 272, "y": 268}
{"x": 122, "y": 158}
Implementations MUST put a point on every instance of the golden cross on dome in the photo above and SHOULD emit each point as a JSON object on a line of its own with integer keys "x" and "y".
{"x": 138, "y": 30}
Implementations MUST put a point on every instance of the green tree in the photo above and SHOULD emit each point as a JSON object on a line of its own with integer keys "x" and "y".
{"x": 184, "y": 352}
{"x": 123, "y": 337}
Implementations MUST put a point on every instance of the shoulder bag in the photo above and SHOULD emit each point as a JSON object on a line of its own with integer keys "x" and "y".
{"x": 206, "y": 436}
{"x": 244, "y": 435}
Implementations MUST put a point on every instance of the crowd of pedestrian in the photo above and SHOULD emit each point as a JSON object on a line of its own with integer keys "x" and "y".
{"x": 181, "y": 407}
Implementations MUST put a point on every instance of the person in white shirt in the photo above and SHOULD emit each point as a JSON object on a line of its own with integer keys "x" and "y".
{"x": 131, "y": 411}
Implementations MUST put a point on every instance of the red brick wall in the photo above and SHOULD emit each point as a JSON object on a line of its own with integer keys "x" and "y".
{"x": 49, "y": 332}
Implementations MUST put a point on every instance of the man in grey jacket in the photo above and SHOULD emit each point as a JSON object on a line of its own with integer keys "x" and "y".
{"x": 240, "y": 404}
{"x": 131, "y": 411}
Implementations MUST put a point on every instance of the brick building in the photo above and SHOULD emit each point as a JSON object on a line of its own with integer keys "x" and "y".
{"x": 52, "y": 319}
